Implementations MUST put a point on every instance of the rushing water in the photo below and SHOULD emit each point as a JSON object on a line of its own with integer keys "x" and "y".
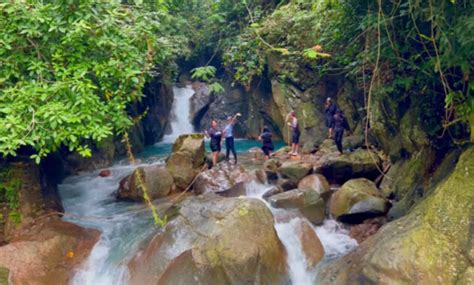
{"x": 89, "y": 201}
{"x": 180, "y": 113}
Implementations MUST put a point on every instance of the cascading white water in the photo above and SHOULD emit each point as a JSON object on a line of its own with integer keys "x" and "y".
{"x": 180, "y": 112}
{"x": 335, "y": 240}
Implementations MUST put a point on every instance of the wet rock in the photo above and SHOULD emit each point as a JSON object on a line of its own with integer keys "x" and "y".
{"x": 187, "y": 159}
{"x": 261, "y": 176}
{"x": 272, "y": 165}
{"x": 221, "y": 178}
{"x": 318, "y": 183}
{"x": 4, "y": 274}
{"x": 295, "y": 170}
{"x": 357, "y": 164}
{"x": 48, "y": 253}
{"x": 310, "y": 243}
{"x": 432, "y": 244}
{"x": 157, "y": 180}
{"x": 287, "y": 184}
{"x": 367, "y": 228}
{"x": 220, "y": 158}
{"x": 272, "y": 191}
{"x": 357, "y": 200}
{"x": 105, "y": 173}
{"x": 308, "y": 201}
{"x": 271, "y": 175}
{"x": 200, "y": 102}
{"x": 214, "y": 240}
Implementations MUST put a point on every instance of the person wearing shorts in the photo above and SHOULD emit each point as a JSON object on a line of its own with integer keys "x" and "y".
{"x": 295, "y": 132}
{"x": 215, "y": 134}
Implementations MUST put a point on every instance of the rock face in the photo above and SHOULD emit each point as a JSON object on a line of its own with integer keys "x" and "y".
{"x": 308, "y": 201}
{"x": 438, "y": 230}
{"x": 295, "y": 170}
{"x": 224, "y": 177}
{"x": 317, "y": 183}
{"x": 214, "y": 240}
{"x": 310, "y": 243}
{"x": 358, "y": 199}
{"x": 186, "y": 159}
{"x": 158, "y": 182}
{"x": 48, "y": 253}
{"x": 360, "y": 163}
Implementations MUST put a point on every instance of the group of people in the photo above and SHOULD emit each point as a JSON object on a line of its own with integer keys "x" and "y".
{"x": 334, "y": 119}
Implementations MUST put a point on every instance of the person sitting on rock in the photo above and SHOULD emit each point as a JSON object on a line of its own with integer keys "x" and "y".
{"x": 216, "y": 137}
{"x": 339, "y": 124}
{"x": 295, "y": 132}
{"x": 267, "y": 144}
{"x": 229, "y": 136}
{"x": 329, "y": 112}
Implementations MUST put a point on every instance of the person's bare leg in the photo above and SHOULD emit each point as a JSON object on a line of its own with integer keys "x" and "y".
{"x": 296, "y": 148}
{"x": 214, "y": 158}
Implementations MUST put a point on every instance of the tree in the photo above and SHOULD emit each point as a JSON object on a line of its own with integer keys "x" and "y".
{"x": 68, "y": 71}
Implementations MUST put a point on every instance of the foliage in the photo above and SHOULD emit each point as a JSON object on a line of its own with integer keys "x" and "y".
{"x": 207, "y": 74}
{"x": 9, "y": 189}
{"x": 69, "y": 70}
{"x": 411, "y": 49}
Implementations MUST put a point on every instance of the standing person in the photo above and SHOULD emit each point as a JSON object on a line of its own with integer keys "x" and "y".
{"x": 329, "y": 112}
{"x": 295, "y": 132}
{"x": 216, "y": 137}
{"x": 267, "y": 144}
{"x": 339, "y": 124}
{"x": 229, "y": 136}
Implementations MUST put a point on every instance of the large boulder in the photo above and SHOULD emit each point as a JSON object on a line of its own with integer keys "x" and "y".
{"x": 360, "y": 163}
{"x": 432, "y": 244}
{"x": 157, "y": 181}
{"x": 310, "y": 243}
{"x": 224, "y": 177}
{"x": 295, "y": 170}
{"x": 318, "y": 183}
{"x": 48, "y": 253}
{"x": 357, "y": 200}
{"x": 308, "y": 201}
{"x": 187, "y": 159}
{"x": 214, "y": 240}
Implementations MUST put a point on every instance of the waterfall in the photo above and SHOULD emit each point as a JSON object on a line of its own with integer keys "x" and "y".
{"x": 180, "y": 113}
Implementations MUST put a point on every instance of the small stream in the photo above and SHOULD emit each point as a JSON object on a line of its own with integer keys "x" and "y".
{"x": 89, "y": 201}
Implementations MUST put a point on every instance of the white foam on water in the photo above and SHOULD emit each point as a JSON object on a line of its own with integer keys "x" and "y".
{"x": 180, "y": 113}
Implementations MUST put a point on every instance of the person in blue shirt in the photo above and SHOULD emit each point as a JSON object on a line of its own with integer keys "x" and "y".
{"x": 229, "y": 136}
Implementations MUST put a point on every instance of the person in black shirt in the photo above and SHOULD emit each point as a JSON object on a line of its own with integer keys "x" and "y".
{"x": 329, "y": 112}
{"x": 339, "y": 124}
{"x": 267, "y": 144}
{"x": 216, "y": 137}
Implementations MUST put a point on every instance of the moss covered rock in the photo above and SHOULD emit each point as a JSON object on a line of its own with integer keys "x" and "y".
{"x": 358, "y": 198}
{"x": 157, "y": 180}
{"x": 357, "y": 164}
{"x": 317, "y": 183}
{"x": 214, "y": 240}
{"x": 295, "y": 170}
{"x": 307, "y": 201}
{"x": 186, "y": 159}
{"x": 430, "y": 245}
{"x": 223, "y": 177}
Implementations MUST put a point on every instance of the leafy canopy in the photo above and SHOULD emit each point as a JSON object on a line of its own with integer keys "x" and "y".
{"x": 68, "y": 71}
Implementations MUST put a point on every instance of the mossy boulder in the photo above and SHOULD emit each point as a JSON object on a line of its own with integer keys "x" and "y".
{"x": 157, "y": 181}
{"x": 432, "y": 244}
{"x": 4, "y": 274}
{"x": 187, "y": 159}
{"x": 318, "y": 183}
{"x": 357, "y": 164}
{"x": 295, "y": 170}
{"x": 356, "y": 200}
{"x": 307, "y": 201}
{"x": 271, "y": 165}
{"x": 214, "y": 240}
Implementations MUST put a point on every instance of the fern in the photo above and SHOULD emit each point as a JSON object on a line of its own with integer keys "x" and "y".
{"x": 204, "y": 73}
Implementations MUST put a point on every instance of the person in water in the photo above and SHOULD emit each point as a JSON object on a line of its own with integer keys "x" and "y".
{"x": 229, "y": 136}
{"x": 329, "y": 112}
{"x": 339, "y": 124}
{"x": 295, "y": 132}
{"x": 267, "y": 144}
{"x": 216, "y": 137}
